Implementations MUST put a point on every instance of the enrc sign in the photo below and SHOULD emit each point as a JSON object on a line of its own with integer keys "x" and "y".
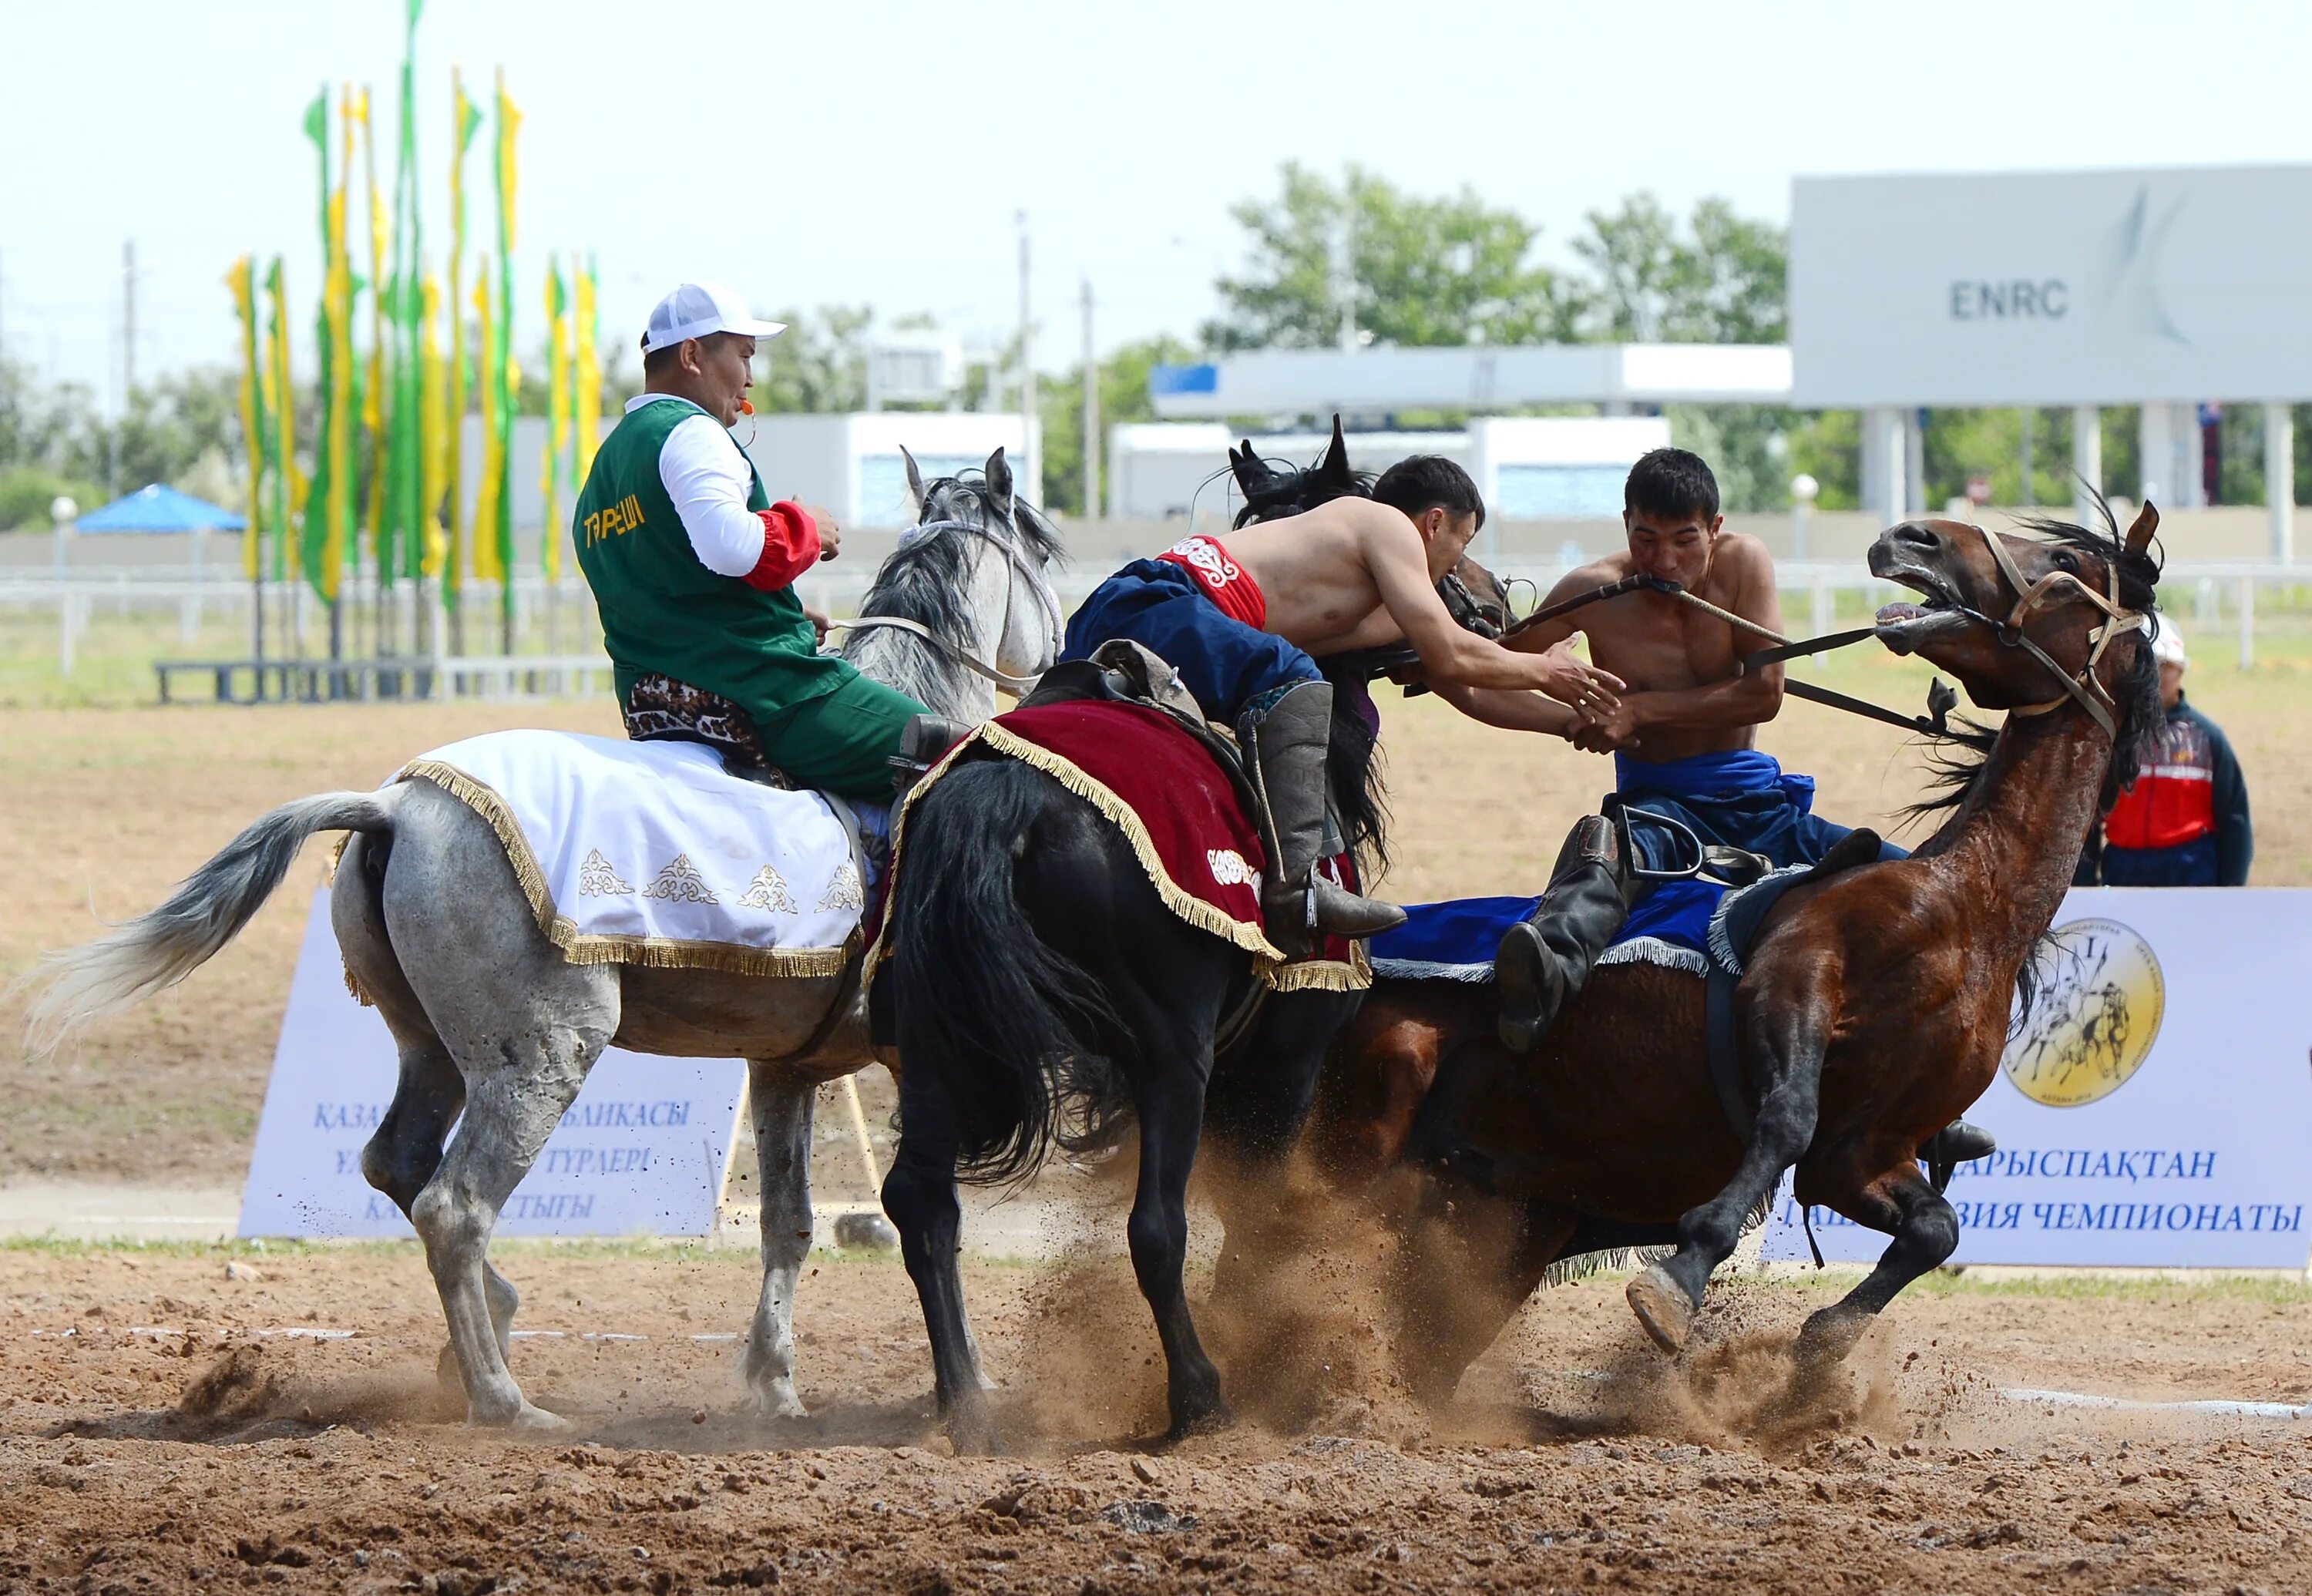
{"x": 2052, "y": 288}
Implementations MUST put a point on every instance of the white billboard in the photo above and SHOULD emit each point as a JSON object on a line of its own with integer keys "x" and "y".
{"x": 2052, "y": 288}
{"x": 2154, "y": 1107}
{"x": 642, "y": 1152}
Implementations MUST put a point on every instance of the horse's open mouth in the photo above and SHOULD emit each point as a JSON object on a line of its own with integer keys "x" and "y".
{"x": 1903, "y": 626}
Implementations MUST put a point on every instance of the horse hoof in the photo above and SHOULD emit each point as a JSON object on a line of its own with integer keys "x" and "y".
{"x": 972, "y": 1433}
{"x": 524, "y": 1417}
{"x": 780, "y": 1401}
{"x": 1210, "y": 1421}
{"x": 537, "y": 1421}
{"x": 1828, "y": 1337}
{"x": 1663, "y": 1307}
{"x": 445, "y": 1373}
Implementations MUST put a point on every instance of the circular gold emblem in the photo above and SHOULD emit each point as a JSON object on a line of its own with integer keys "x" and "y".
{"x": 2097, "y": 1014}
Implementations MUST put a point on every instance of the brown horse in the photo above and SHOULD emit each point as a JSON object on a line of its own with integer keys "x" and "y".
{"x": 1872, "y": 1011}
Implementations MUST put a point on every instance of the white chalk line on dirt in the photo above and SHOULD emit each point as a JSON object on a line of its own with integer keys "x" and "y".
{"x": 319, "y": 1333}
{"x": 2220, "y": 1408}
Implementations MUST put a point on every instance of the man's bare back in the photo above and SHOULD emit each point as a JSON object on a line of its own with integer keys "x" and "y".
{"x": 1683, "y": 697}
{"x": 1353, "y": 573}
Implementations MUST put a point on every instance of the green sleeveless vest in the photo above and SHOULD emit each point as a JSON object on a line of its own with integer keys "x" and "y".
{"x": 664, "y": 610}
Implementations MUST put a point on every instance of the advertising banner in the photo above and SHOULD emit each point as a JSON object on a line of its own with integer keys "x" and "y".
{"x": 2050, "y": 289}
{"x": 2154, "y": 1107}
{"x": 643, "y": 1151}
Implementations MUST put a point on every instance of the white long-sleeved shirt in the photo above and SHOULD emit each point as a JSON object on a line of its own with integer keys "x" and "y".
{"x": 707, "y": 477}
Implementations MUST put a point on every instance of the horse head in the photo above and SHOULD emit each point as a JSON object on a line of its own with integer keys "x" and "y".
{"x": 2028, "y": 623}
{"x": 974, "y": 572}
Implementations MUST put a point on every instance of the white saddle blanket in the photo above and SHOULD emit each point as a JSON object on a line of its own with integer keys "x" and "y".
{"x": 650, "y": 853}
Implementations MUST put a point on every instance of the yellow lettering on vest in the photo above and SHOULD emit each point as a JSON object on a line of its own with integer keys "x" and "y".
{"x": 593, "y": 529}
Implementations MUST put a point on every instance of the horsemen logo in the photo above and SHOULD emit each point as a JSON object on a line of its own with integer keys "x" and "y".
{"x": 1230, "y": 868}
{"x": 1210, "y": 560}
{"x": 2101, "y": 996}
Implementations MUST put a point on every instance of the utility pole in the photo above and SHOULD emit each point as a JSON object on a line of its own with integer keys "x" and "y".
{"x": 1032, "y": 488}
{"x": 1091, "y": 412}
{"x": 127, "y": 321}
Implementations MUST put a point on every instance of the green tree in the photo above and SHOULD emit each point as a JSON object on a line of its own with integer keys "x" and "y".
{"x": 1720, "y": 280}
{"x": 1420, "y": 271}
{"x": 817, "y": 366}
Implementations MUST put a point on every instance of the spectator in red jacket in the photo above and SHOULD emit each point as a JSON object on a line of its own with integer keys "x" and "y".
{"x": 2184, "y": 822}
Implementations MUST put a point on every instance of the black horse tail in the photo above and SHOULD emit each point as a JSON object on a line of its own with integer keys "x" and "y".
{"x": 993, "y": 1017}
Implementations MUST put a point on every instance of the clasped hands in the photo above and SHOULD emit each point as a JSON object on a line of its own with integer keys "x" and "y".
{"x": 1607, "y": 721}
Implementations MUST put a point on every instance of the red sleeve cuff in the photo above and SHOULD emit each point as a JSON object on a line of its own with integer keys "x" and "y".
{"x": 790, "y": 547}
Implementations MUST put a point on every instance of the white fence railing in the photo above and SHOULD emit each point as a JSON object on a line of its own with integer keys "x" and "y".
{"x": 2211, "y": 593}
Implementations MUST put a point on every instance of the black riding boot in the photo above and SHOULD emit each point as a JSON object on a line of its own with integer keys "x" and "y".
{"x": 1287, "y": 744}
{"x": 1547, "y": 957}
{"x": 922, "y": 742}
{"x": 1955, "y": 1143}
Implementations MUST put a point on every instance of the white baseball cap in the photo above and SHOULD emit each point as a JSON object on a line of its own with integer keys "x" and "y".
{"x": 2167, "y": 643}
{"x": 696, "y": 310}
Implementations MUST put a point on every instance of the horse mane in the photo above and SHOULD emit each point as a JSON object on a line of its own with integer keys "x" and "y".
{"x": 925, "y": 580}
{"x": 1955, "y": 770}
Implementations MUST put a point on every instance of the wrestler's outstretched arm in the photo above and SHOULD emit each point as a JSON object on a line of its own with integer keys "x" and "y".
{"x": 1450, "y": 656}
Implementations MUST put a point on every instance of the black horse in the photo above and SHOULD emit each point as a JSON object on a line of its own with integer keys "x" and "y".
{"x": 1042, "y": 995}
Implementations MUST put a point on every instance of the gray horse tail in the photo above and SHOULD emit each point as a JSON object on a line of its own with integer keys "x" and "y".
{"x": 207, "y": 911}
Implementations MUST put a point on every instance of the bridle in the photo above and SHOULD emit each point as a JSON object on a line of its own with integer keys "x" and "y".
{"x": 1006, "y": 543}
{"x": 2083, "y": 688}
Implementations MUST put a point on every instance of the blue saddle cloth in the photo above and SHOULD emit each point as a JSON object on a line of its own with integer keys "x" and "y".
{"x": 1743, "y": 799}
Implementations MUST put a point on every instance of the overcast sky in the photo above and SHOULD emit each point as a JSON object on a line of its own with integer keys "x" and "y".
{"x": 875, "y": 152}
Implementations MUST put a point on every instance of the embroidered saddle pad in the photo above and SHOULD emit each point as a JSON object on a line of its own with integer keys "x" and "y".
{"x": 1155, "y": 782}
{"x": 650, "y": 853}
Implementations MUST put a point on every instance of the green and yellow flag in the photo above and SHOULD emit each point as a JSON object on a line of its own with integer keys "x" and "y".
{"x": 281, "y": 436}
{"x": 506, "y": 372}
{"x": 242, "y": 281}
{"x": 489, "y": 549}
{"x": 407, "y": 510}
{"x": 586, "y": 387}
{"x": 465, "y": 120}
{"x": 434, "y": 430}
{"x": 329, "y": 504}
{"x": 374, "y": 384}
{"x": 556, "y": 452}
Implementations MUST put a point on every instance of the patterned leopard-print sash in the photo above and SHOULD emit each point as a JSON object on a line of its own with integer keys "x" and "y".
{"x": 660, "y": 707}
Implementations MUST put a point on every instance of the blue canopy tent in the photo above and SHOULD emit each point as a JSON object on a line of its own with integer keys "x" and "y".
{"x": 159, "y": 508}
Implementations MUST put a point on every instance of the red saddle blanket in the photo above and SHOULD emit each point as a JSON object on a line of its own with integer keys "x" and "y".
{"x": 1160, "y": 787}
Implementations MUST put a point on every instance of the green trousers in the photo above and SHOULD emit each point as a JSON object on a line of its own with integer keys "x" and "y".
{"x": 843, "y": 742}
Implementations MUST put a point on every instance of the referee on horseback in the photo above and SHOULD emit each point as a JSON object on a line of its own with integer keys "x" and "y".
{"x": 694, "y": 568}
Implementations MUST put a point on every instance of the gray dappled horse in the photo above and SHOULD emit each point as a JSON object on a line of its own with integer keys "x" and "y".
{"x": 491, "y": 1019}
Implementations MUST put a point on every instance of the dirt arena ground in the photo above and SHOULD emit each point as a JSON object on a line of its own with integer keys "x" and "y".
{"x": 178, "y": 1419}
{"x": 172, "y": 1416}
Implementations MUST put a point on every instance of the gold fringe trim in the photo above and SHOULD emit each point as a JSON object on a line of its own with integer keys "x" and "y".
{"x": 1269, "y": 961}
{"x": 1322, "y": 974}
{"x": 1195, "y": 910}
{"x": 650, "y": 952}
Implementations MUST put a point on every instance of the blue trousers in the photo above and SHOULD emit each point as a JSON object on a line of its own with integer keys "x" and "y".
{"x": 1223, "y": 663}
{"x": 1742, "y": 798}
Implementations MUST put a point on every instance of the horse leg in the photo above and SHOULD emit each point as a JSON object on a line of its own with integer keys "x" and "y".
{"x": 1789, "y": 1039}
{"x": 406, "y": 1149}
{"x": 1171, "y": 1103}
{"x": 782, "y": 1104}
{"x": 1459, "y": 1280}
{"x": 920, "y": 1200}
{"x": 1925, "y": 1229}
{"x": 514, "y": 1104}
